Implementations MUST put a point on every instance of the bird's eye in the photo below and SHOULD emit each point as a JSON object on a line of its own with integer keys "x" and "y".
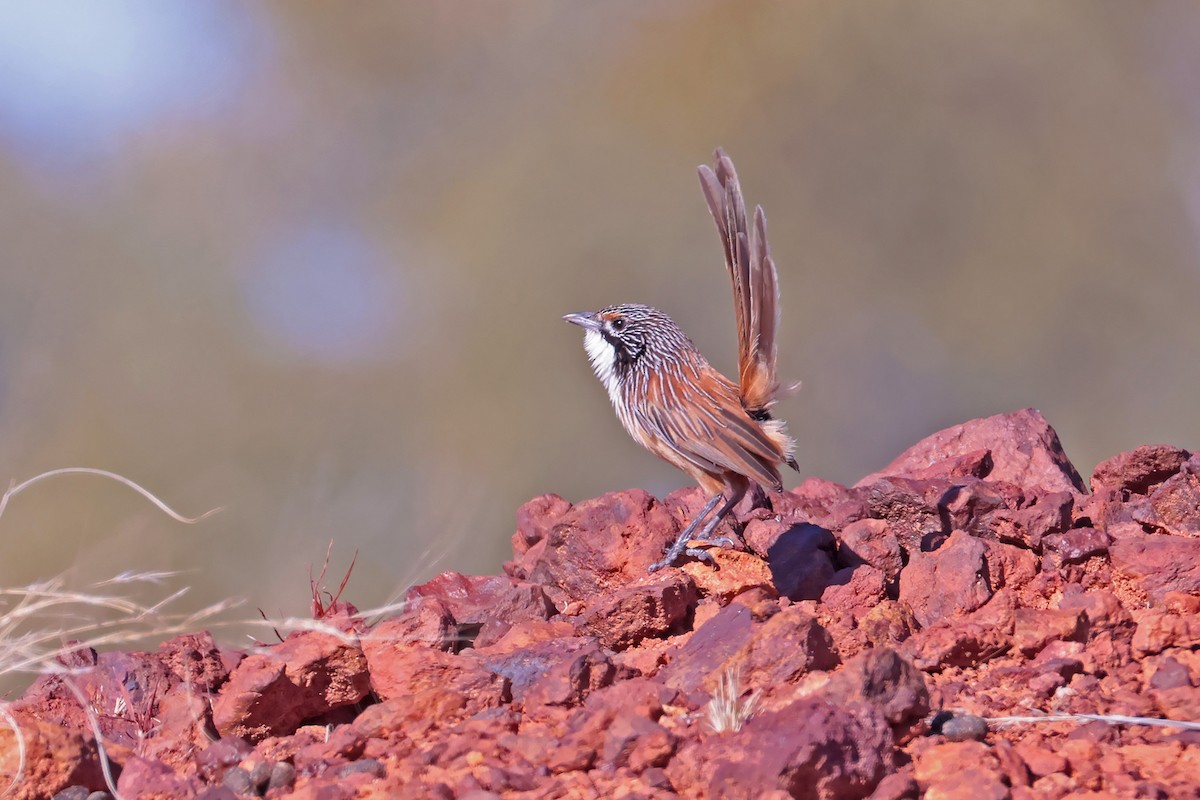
{"x": 618, "y": 324}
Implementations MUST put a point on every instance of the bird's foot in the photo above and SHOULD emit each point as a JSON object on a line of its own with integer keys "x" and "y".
{"x": 680, "y": 548}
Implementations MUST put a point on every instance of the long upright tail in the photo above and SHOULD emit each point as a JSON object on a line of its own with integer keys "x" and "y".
{"x": 755, "y": 282}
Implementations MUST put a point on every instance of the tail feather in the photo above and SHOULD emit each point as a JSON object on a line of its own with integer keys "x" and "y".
{"x": 755, "y": 282}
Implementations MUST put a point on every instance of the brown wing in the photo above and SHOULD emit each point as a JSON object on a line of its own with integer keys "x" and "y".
{"x": 703, "y": 423}
{"x": 755, "y": 284}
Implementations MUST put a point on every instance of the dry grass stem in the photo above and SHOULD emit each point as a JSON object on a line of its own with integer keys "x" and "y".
{"x": 728, "y": 710}
{"x": 16, "y": 488}
{"x": 1111, "y": 719}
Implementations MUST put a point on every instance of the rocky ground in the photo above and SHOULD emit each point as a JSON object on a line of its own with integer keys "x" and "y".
{"x": 865, "y": 641}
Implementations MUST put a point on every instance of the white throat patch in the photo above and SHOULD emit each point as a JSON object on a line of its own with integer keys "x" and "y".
{"x": 604, "y": 360}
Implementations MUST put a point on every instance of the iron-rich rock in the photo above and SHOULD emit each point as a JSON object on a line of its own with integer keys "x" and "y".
{"x": 836, "y": 754}
{"x": 884, "y": 679}
{"x": 1023, "y": 448}
{"x": 951, "y": 580}
{"x": 1139, "y": 470}
{"x": 558, "y": 673}
{"x": 1158, "y": 563}
{"x": 599, "y": 545}
{"x": 306, "y": 676}
{"x": 647, "y": 608}
{"x": 871, "y": 541}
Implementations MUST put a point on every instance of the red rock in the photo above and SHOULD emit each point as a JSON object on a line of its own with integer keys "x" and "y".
{"x": 1037, "y": 627}
{"x": 600, "y": 545}
{"x": 649, "y": 607}
{"x": 782, "y": 650}
{"x": 133, "y": 682}
{"x": 147, "y": 779}
{"x": 482, "y": 598}
{"x": 424, "y": 622}
{"x": 1177, "y": 702}
{"x": 1175, "y": 504}
{"x": 1012, "y": 766}
{"x": 911, "y": 508}
{"x": 965, "y": 642}
{"x": 889, "y": 623}
{"x": 836, "y": 753}
{"x": 1076, "y": 545}
{"x": 1008, "y": 565}
{"x": 955, "y": 646}
{"x": 971, "y": 505}
{"x": 897, "y": 786}
{"x": 950, "y": 581}
{"x": 870, "y": 541}
{"x": 1024, "y": 450}
{"x": 856, "y": 590}
{"x": 1040, "y": 760}
{"x": 1157, "y": 630}
{"x": 484, "y": 606}
{"x": 799, "y": 556}
{"x": 55, "y": 758}
{"x": 735, "y": 573}
{"x": 882, "y": 678}
{"x": 1035, "y": 518}
{"x": 1171, "y": 765}
{"x": 713, "y": 643}
{"x": 1165, "y": 672}
{"x": 637, "y": 742}
{"x": 955, "y": 770}
{"x": 524, "y": 634}
{"x": 823, "y": 503}
{"x": 307, "y": 675}
{"x": 1139, "y": 470}
{"x": 195, "y": 659}
{"x": 183, "y": 725}
{"x": 1104, "y": 611}
{"x": 536, "y": 519}
{"x": 558, "y": 673}
{"x": 456, "y": 684}
{"x": 535, "y": 710}
{"x": 1158, "y": 563}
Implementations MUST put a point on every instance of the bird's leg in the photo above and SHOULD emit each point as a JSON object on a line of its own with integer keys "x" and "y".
{"x": 680, "y": 546}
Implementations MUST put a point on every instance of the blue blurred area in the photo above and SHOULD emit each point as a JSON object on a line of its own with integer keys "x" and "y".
{"x": 77, "y": 78}
{"x": 324, "y": 293}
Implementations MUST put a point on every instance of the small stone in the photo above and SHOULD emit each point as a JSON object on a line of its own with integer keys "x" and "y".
{"x": 238, "y": 781}
{"x": 368, "y": 766}
{"x": 72, "y": 793}
{"x": 283, "y": 776}
{"x": 958, "y": 726}
{"x": 260, "y": 775}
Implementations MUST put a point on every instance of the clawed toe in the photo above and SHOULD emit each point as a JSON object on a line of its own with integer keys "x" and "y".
{"x": 720, "y": 541}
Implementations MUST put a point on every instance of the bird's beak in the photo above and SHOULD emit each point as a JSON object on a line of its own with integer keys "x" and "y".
{"x": 585, "y": 321}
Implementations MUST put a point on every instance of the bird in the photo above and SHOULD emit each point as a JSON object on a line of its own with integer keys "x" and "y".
{"x": 677, "y": 405}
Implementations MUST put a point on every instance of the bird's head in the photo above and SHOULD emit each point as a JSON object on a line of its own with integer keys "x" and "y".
{"x": 619, "y": 339}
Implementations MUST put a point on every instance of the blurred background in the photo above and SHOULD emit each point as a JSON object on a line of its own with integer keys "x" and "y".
{"x": 307, "y": 261}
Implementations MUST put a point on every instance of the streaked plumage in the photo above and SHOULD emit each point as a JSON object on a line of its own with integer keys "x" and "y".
{"x": 673, "y": 402}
